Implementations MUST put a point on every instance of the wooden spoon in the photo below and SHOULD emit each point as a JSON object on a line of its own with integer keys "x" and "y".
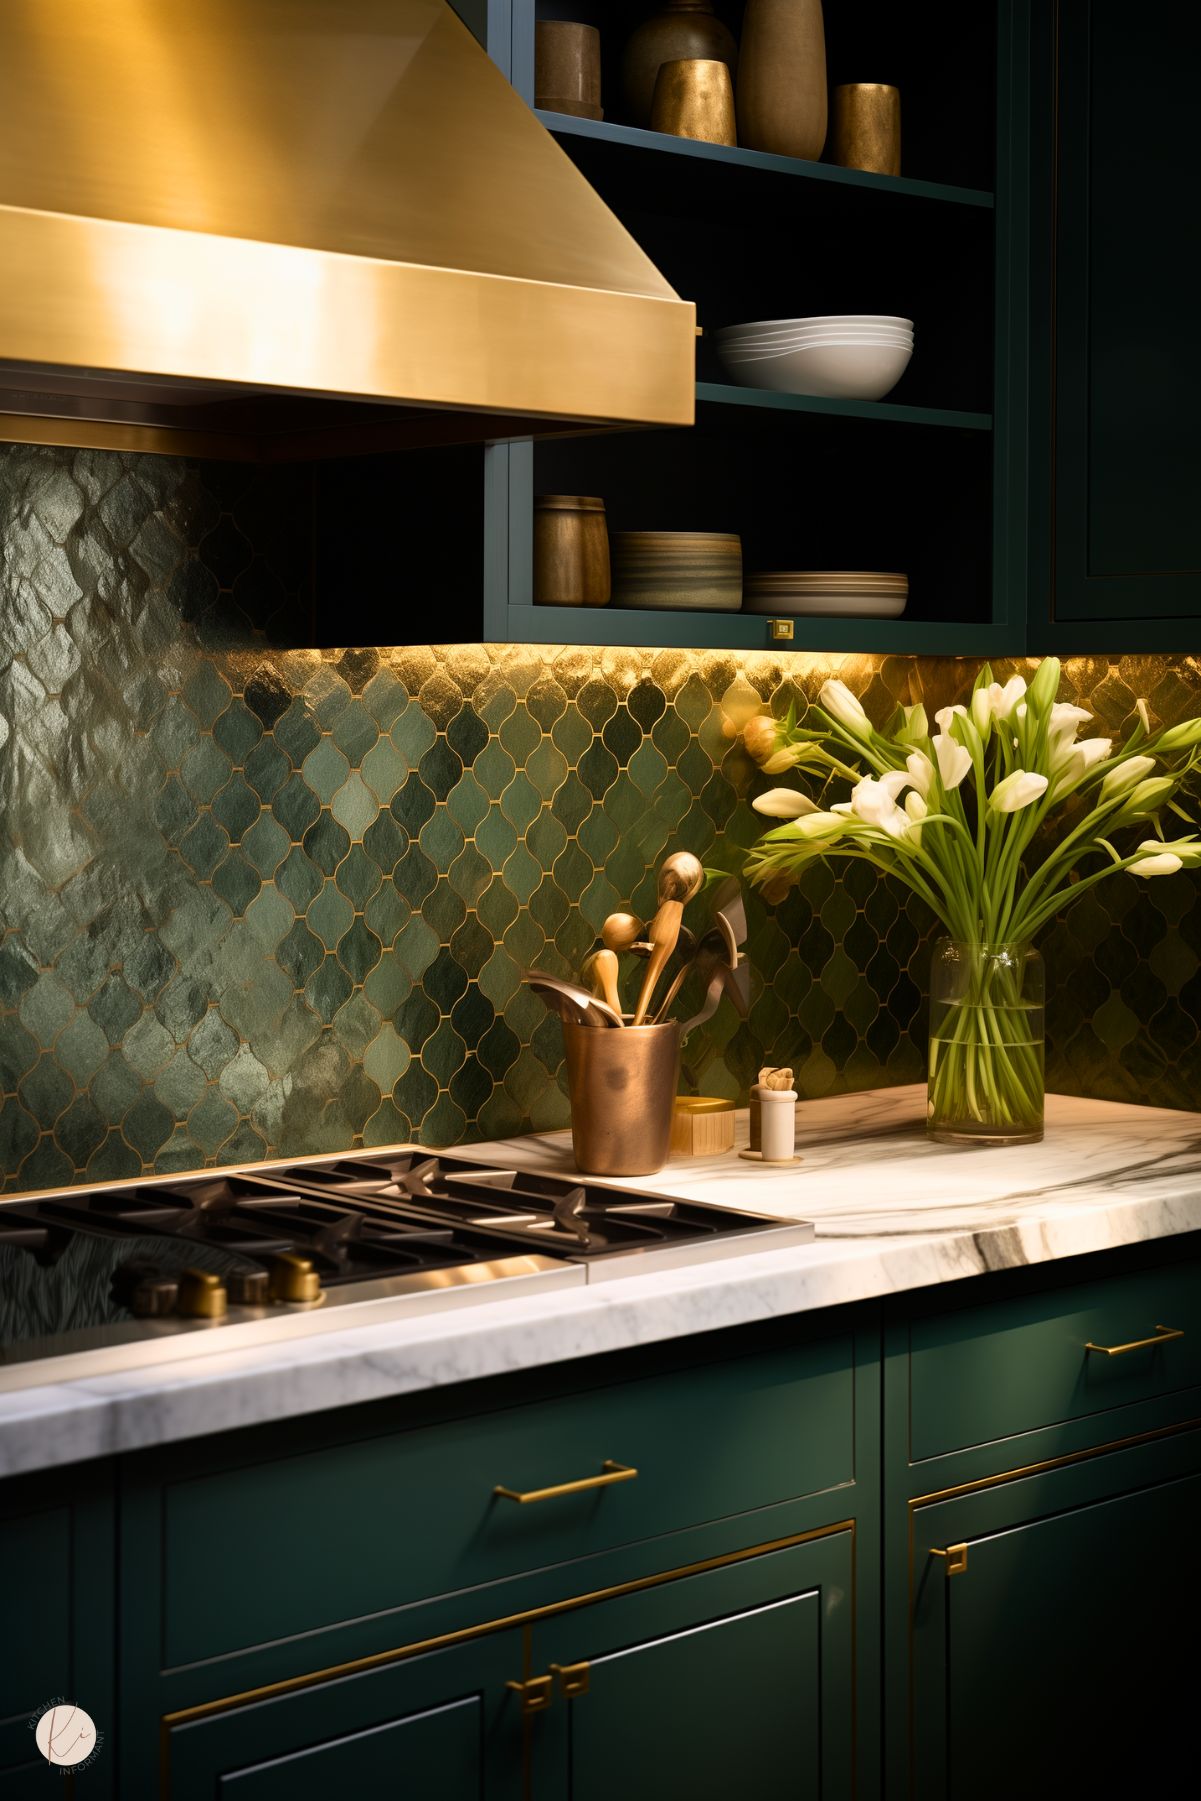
{"x": 620, "y": 931}
{"x": 600, "y": 973}
{"x": 681, "y": 877}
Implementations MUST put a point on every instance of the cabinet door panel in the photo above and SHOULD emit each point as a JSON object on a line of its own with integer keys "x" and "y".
{"x": 685, "y": 1713}
{"x": 733, "y": 1681}
{"x": 437, "y": 1754}
{"x": 1062, "y": 1659}
{"x": 438, "y": 1727}
{"x": 1127, "y": 458}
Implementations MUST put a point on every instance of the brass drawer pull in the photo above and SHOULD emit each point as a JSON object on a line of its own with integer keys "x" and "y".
{"x": 1163, "y": 1335}
{"x": 956, "y": 1556}
{"x": 612, "y": 1472}
{"x": 573, "y": 1679}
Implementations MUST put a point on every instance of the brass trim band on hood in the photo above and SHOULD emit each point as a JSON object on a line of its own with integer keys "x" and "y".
{"x": 335, "y": 198}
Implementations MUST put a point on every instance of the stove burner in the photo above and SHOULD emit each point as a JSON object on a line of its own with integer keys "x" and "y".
{"x": 224, "y": 1249}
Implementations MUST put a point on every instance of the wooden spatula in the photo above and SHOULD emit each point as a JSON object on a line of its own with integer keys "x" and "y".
{"x": 680, "y": 878}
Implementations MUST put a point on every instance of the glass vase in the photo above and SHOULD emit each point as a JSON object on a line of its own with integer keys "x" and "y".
{"x": 986, "y": 1083}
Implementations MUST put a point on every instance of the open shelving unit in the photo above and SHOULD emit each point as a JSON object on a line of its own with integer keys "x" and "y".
{"x": 929, "y": 481}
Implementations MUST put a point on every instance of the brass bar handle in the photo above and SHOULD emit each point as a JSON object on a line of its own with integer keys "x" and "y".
{"x": 612, "y": 1472}
{"x": 1163, "y": 1335}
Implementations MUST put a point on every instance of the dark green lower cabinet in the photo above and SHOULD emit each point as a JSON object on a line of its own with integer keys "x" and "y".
{"x": 1054, "y": 1646}
{"x": 438, "y": 1727}
{"x": 736, "y": 1682}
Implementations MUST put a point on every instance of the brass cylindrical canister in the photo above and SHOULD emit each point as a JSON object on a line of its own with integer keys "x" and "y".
{"x": 571, "y": 551}
{"x": 695, "y": 99}
{"x": 866, "y": 130}
{"x": 622, "y": 1086}
{"x": 567, "y": 68}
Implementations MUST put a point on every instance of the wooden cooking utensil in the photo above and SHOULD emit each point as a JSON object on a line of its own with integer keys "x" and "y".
{"x": 620, "y": 931}
{"x": 600, "y": 973}
{"x": 680, "y": 878}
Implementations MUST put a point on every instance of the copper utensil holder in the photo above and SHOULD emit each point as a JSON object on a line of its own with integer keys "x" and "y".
{"x": 623, "y": 1091}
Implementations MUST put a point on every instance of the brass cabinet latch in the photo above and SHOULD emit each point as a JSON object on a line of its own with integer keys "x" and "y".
{"x": 572, "y": 1678}
{"x": 781, "y": 631}
{"x": 535, "y": 1692}
{"x": 956, "y": 1556}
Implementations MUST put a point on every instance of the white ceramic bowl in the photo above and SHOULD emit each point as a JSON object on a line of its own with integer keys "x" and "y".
{"x": 788, "y": 325}
{"x": 740, "y": 352}
{"x": 832, "y": 371}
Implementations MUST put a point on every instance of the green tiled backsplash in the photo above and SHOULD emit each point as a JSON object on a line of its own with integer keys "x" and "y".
{"x": 261, "y": 901}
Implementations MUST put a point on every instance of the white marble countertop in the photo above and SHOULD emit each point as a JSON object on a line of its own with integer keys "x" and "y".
{"x": 892, "y": 1212}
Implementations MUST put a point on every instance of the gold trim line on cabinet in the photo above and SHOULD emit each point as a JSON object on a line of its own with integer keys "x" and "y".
{"x": 530, "y": 1616}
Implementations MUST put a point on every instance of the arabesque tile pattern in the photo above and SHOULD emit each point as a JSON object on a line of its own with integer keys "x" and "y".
{"x": 259, "y": 900}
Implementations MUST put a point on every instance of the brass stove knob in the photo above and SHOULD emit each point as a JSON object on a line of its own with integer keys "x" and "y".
{"x": 293, "y": 1278}
{"x": 201, "y": 1295}
{"x": 249, "y": 1287}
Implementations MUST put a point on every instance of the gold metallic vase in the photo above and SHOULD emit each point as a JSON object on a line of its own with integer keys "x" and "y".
{"x": 622, "y": 1086}
{"x": 695, "y": 99}
{"x": 866, "y": 131}
{"x": 571, "y": 551}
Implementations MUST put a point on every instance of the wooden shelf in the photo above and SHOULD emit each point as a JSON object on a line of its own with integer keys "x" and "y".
{"x": 718, "y": 394}
{"x": 630, "y": 137}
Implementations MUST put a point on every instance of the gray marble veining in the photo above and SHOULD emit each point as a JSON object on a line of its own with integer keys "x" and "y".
{"x": 892, "y": 1213}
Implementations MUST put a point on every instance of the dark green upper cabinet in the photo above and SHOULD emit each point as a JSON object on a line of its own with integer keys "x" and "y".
{"x": 1116, "y": 456}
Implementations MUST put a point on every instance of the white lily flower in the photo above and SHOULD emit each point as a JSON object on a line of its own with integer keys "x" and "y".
{"x": 945, "y": 715}
{"x": 1021, "y": 710}
{"x": 915, "y": 810}
{"x": 1187, "y": 849}
{"x": 1066, "y": 720}
{"x": 1145, "y": 797}
{"x": 1073, "y": 761}
{"x": 1164, "y": 863}
{"x": 995, "y": 702}
{"x": 842, "y": 705}
{"x": 1125, "y": 775}
{"x": 787, "y": 757}
{"x": 784, "y": 803}
{"x": 920, "y": 770}
{"x": 1017, "y": 791}
{"x": 1144, "y": 713}
{"x": 875, "y": 802}
{"x": 953, "y": 760}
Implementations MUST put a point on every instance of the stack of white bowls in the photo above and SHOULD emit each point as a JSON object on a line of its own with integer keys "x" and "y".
{"x": 839, "y": 356}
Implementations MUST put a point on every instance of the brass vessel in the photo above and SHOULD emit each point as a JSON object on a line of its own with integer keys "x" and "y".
{"x": 571, "y": 551}
{"x": 866, "y": 129}
{"x": 695, "y": 99}
{"x": 623, "y": 1089}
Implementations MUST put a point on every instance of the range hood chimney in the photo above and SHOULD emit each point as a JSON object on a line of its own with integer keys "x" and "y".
{"x": 296, "y": 227}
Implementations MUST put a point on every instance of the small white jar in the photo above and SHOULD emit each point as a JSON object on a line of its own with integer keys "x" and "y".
{"x": 777, "y": 1124}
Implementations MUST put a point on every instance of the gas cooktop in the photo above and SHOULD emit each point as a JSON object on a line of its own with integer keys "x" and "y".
{"x": 93, "y": 1280}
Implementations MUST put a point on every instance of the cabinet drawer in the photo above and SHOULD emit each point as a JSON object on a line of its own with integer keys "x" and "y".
{"x": 337, "y": 1534}
{"x": 983, "y": 1373}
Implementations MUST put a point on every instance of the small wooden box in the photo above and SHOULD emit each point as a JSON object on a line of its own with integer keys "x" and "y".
{"x": 702, "y": 1126}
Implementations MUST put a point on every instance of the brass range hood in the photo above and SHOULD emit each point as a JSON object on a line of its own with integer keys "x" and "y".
{"x": 300, "y": 227}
